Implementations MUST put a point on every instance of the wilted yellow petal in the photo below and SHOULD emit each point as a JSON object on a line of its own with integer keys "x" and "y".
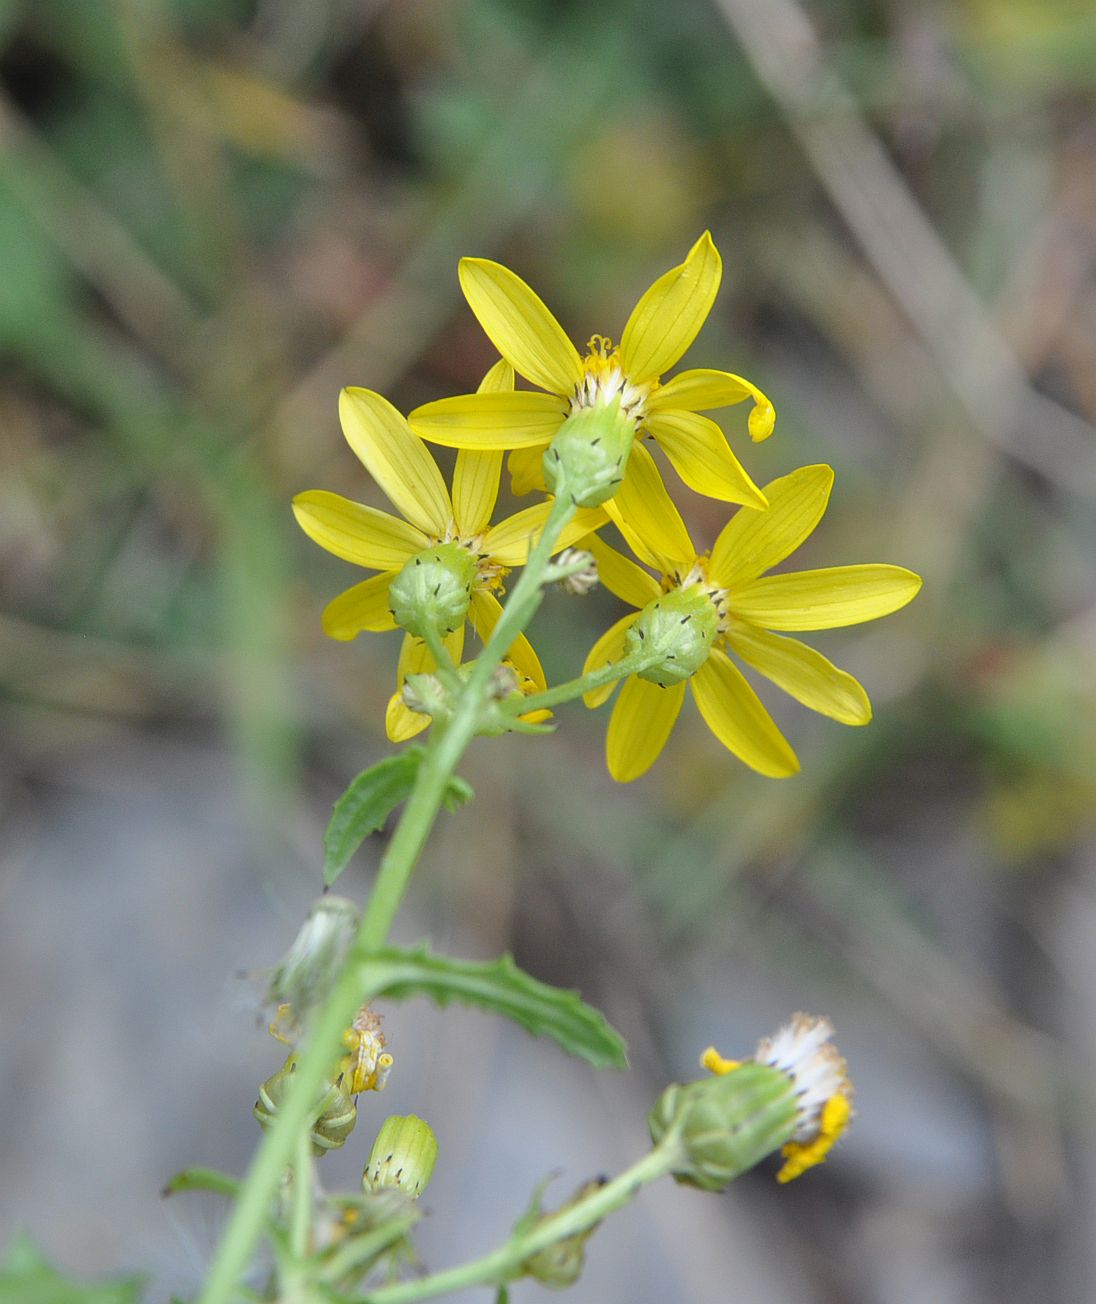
{"x": 621, "y": 576}
{"x": 699, "y": 390}
{"x": 733, "y": 712}
{"x": 667, "y": 318}
{"x": 641, "y": 722}
{"x": 484, "y": 614}
{"x": 700, "y": 454}
{"x": 609, "y": 647}
{"x": 824, "y": 599}
{"x": 751, "y": 542}
{"x": 356, "y": 533}
{"x": 363, "y": 607}
{"x": 396, "y": 459}
{"x": 489, "y": 420}
{"x": 804, "y": 673}
{"x": 520, "y": 326}
{"x": 645, "y": 514}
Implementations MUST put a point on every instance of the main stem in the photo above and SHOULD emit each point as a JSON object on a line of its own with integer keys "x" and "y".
{"x": 443, "y": 753}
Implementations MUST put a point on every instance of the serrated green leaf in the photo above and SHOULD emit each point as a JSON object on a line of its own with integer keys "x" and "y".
{"x": 26, "y": 1278}
{"x": 368, "y": 802}
{"x": 502, "y": 987}
{"x": 202, "y": 1179}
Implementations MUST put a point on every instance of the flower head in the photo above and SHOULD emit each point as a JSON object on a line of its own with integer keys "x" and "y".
{"x": 447, "y": 534}
{"x": 803, "y": 1052}
{"x": 704, "y": 606}
{"x": 661, "y": 327}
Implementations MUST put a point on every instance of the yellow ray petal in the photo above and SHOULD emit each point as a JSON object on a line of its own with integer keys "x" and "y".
{"x": 396, "y": 459}
{"x": 609, "y": 647}
{"x": 520, "y": 326}
{"x": 667, "y": 318}
{"x": 416, "y": 658}
{"x": 356, "y": 533}
{"x": 825, "y": 599}
{"x": 700, "y": 390}
{"x": 645, "y": 514}
{"x": 489, "y": 420}
{"x": 498, "y": 379}
{"x": 641, "y": 722}
{"x": 700, "y": 454}
{"x": 621, "y": 576}
{"x": 751, "y": 542}
{"x": 526, "y": 470}
{"x": 509, "y": 541}
{"x": 475, "y": 488}
{"x": 485, "y": 613}
{"x": 733, "y": 712}
{"x": 802, "y": 672}
{"x": 363, "y": 607}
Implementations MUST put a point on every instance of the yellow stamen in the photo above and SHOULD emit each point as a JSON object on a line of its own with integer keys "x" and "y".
{"x": 799, "y": 1156}
{"x": 715, "y": 1063}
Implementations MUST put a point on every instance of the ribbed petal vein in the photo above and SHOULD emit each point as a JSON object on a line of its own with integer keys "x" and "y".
{"x": 642, "y": 720}
{"x": 825, "y": 599}
{"x": 395, "y": 458}
{"x": 520, "y": 326}
{"x": 667, "y": 318}
{"x": 363, "y": 607}
{"x": 356, "y": 533}
{"x": 751, "y": 542}
{"x": 733, "y": 712}
{"x": 803, "y": 673}
{"x": 489, "y": 420}
{"x": 700, "y": 454}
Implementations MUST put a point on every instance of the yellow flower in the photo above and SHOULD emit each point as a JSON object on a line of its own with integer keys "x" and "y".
{"x": 662, "y": 326}
{"x": 727, "y": 602}
{"x": 404, "y": 469}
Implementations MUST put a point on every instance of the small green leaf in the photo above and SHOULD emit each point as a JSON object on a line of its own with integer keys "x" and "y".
{"x": 370, "y": 799}
{"x": 502, "y": 987}
{"x": 202, "y": 1179}
{"x": 27, "y": 1277}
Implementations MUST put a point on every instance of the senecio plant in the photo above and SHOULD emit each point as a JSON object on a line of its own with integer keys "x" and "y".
{"x": 691, "y": 612}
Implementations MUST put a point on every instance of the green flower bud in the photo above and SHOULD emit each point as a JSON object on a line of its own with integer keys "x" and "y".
{"x": 680, "y": 628}
{"x": 587, "y": 457}
{"x": 726, "y": 1124}
{"x": 335, "y": 1113}
{"x": 560, "y": 1265}
{"x": 315, "y": 958}
{"x": 433, "y": 590}
{"x": 403, "y": 1156}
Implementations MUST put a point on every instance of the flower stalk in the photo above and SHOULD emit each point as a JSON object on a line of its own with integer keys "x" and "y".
{"x": 444, "y": 750}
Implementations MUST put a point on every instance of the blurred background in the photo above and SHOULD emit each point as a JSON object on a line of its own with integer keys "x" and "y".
{"x": 213, "y": 214}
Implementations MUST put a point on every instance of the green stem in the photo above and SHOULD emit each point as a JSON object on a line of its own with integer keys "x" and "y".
{"x": 572, "y": 688}
{"x": 504, "y": 1263}
{"x": 443, "y": 752}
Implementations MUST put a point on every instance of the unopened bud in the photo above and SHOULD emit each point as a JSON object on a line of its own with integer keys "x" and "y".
{"x": 587, "y": 457}
{"x": 584, "y": 577}
{"x": 560, "y": 1264}
{"x": 433, "y": 590}
{"x": 335, "y": 1111}
{"x": 315, "y": 958}
{"x": 426, "y": 695}
{"x": 677, "y": 628}
{"x": 403, "y": 1156}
